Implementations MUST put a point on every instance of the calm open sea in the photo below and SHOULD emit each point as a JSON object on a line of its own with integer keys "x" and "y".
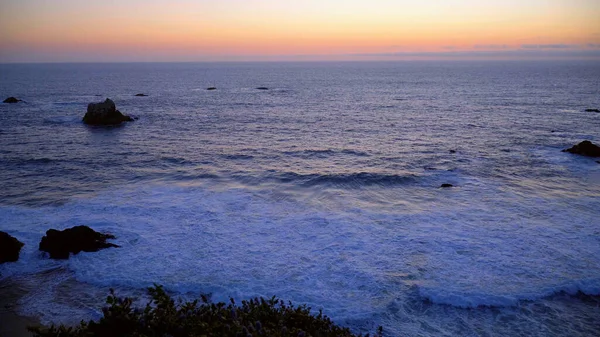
{"x": 324, "y": 190}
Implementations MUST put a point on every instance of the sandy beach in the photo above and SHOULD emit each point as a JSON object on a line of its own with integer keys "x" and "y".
{"x": 12, "y": 324}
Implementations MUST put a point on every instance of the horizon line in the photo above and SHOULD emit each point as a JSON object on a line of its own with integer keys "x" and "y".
{"x": 305, "y": 61}
{"x": 523, "y": 54}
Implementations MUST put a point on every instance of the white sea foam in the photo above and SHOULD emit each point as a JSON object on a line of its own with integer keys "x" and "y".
{"x": 354, "y": 263}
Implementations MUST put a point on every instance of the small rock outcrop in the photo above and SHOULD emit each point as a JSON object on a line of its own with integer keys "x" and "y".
{"x": 211, "y": 88}
{"x": 104, "y": 113}
{"x": 10, "y": 248}
{"x": 446, "y": 185}
{"x": 59, "y": 244}
{"x": 585, "y": 148}
{"x": 141, "y": 95}
{"x": 11, "y": 100}
{"x": 592, "y": 110}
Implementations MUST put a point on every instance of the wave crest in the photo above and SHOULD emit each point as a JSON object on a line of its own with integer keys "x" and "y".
{"x": 590, "y": 287}
{"x": 346, "y": 179}
{"x": 323, "y": 153}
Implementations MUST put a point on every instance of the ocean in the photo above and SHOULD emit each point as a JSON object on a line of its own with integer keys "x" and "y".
{"x": 322, "y": 190}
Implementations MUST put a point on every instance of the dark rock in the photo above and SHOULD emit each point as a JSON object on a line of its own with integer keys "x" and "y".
{"x": 141, "y": 95}
{"x": 446, "y": 185}
{"x": 211, "y": 88}
{"x": 11, "y": 100}
{"x": 592, "y": 110}
{"x": 74, "y": 240}
{"x": 585, "y": 148}
{"x": 9, "y": 248}
{"x": 104, "y": 113}
{"x": 262, "y": 88}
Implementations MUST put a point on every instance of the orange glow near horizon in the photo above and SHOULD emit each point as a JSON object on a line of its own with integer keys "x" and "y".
{"x": 200, "y": 30}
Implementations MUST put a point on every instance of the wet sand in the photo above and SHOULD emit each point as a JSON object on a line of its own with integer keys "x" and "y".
{"x": 12, "y": 324}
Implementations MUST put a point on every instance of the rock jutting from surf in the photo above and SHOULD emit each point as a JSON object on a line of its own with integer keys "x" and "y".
{"x": 585, "y": 148}
{"x": 10, "y": 248}
{"x": 11, "y": 100}
{"x": 59, "y": 244}
{"x": 104, "y": 113}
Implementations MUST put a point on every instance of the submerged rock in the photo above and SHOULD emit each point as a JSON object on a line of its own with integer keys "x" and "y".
{"x": 10, "y": 248}
{"x": 74, "y": 240}
{"x": 585, "y": 148}
{"x": 11, "y": 100}
{"x": 104, "y": 113}
{"x": 141, "y": 95}
{"x": 592, "y": 110}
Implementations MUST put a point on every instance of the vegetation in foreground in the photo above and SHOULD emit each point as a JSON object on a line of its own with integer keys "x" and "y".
{"x": 163, "y": 317}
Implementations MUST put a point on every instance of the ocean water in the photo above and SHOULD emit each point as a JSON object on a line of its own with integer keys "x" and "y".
{"x": 323, "y": 190}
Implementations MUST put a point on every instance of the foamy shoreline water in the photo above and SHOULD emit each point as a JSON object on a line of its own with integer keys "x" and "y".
{"x": 84, "y": 301}
{"x": 222, "y": 245}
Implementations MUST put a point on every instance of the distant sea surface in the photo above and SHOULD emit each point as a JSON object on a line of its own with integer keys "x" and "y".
{"x": 323, "y": 190}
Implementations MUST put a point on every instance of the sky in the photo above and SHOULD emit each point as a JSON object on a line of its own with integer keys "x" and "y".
{"x": 299, "y": 30}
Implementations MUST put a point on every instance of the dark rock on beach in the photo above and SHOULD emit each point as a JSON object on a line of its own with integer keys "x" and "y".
{"x": 446, "y": 185}
{"x": 141, "y": 95}
{"x": 585, "y": 148}
{"x": 10, "y": 248}
{"x": 11, "y": 100}
{"x": 592, "y": 110}
{"x": 74, "y": 240}
{"x": 104, "y": 113}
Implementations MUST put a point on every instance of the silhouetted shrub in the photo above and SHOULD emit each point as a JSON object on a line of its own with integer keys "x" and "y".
{"x": 162, "y": 317}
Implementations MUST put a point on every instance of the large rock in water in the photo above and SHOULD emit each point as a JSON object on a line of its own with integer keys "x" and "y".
{"x": 10, "y": 248}
{"x": 104, "y": 113}
{"x": 585, "y": 148}
{"x": 74, "y": 240}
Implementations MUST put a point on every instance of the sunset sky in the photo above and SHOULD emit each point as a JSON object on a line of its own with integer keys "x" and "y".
{"x": 251, "y": 30}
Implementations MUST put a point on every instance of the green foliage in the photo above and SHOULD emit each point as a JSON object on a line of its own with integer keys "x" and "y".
{"x": 162, "y": 317}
